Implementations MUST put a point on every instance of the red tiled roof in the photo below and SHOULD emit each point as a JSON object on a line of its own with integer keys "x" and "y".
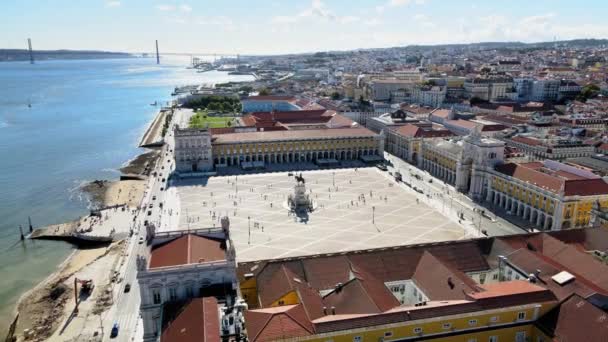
{"x": 440, "y": 282}
{"x": 187, "y": 249}
{"x": 197, "y": 320}
{"x": 554, "y": 181}
{"x": 358, "y": 132}
{"x": 506, "y": 288}
{"x": 409, "y": 130}
{"x": 276, "y": 323}
{"x": 575, "y": 320}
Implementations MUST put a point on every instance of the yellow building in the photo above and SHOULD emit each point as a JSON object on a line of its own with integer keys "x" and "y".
{"x": 293, "y": 146}
{"x": 549, "y": 195}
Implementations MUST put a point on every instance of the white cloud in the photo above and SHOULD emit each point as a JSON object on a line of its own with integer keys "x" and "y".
{"x": 185, "y": 8}
{"x": 380, "y": 9}
{"x": 165, "y": 8}
{"x": 113, "y": 4}
{"x": 221, "y": 22}
{"x": 373, "y": 22}
{"x": 316, "y": 10}
{"x": 348, "y": 19}
{"x": 397, "y": 3}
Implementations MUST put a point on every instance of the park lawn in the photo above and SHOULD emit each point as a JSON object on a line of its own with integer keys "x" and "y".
{"x": 200, "y": 121}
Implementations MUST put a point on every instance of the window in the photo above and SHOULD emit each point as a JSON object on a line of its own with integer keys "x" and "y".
{"x": 446, "y": 326}
{"x": 493, "y": 339}
{"x": 495, "y": 276}
{"x": 520, "y": 336}
{"x": 172, "y": 293}
{"x": 472, "y": 340}
{"x": 521, "y": 316}
{"x": 189, "y": 292}
{"x": 357, "y": 339}
{"x": 156, "y": 296}
{"x": 281, "y": 302}
{"x": 418, "y": 330}
{"x": 482, "y": 278}
{"x": 388, "y": 334}
{"x": 494, "y": 319}
{"x": 472, "y": 322}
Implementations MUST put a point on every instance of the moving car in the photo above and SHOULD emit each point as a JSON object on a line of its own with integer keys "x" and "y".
{"x": 114, "y": 331}
{"x": 141, "y": 240}
{"x": 127, "y": 287}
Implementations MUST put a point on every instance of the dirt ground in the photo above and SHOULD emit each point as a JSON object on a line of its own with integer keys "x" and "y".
{"x": 44, "y": 308}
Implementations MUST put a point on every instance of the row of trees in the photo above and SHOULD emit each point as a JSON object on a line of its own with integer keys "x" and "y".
{"x": 224, "y": 104}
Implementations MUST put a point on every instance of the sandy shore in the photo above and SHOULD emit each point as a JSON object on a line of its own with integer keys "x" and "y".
{"x": 45, "y": 307}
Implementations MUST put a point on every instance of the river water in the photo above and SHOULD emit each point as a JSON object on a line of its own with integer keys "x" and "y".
{"x": 85, "y": 121}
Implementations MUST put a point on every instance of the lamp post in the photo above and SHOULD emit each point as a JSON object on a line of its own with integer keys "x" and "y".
{"x": 249, "y": 225}
{"x": 373, "y": 214}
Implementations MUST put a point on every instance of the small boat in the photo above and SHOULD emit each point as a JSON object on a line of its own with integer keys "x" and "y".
{"x": 154, "y": 103}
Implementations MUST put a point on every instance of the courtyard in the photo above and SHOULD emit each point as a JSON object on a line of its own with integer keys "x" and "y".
{"x": 355, "y": 209}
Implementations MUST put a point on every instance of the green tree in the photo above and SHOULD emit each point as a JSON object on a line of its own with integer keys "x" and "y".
{"x": 264, "y": 92}
{"x": 588, "y": 92}
{"x": 215, "y": 106}
{"x": 335, "y": 95}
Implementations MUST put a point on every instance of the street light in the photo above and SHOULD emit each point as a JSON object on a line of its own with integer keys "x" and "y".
{"x": 249, "y": 225}
{"x": 373, "y": 214}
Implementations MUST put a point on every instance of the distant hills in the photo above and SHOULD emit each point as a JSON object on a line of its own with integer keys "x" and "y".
{"x": 575, "y": 43}
{"x": 7, "y": 55}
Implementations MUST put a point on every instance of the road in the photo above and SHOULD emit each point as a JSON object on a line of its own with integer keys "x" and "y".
{"x": 125, "y": 310}
{"x": 447, "y": 200}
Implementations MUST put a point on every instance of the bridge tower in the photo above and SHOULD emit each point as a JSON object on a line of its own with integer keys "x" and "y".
{"x": 157, "y": 55}
{"x": 29, "y": 46}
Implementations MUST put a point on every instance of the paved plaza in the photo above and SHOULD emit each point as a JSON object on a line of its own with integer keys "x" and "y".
{"x": 356, "y": 209}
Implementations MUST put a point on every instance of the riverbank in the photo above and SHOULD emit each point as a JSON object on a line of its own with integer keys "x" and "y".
{"x": 47, "y": 311}
{"x": 129, "y": 192}
{"x": 44, "y": 309}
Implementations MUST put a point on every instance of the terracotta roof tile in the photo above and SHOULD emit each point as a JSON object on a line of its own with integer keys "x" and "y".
{"x": 195, "y": 320}
{"x": 187, "y": 249}
{"x": 358, "y": 132}
{"x": 276, "y": 323}
{"x": 439, "y": 282}
{"x": 575, "y": 320}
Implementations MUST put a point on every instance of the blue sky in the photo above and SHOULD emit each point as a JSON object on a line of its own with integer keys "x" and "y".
{"x": 241, "y": 26}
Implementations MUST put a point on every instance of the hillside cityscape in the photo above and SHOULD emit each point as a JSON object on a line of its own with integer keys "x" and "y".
{"x": 447, "y": 192}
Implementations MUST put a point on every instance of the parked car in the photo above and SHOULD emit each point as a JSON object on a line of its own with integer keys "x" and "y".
{"x": 114, "y": 331}
{"x": 141, "y": 240}
{"x": 127, "y": 287}
{"x": 154, "y": 198}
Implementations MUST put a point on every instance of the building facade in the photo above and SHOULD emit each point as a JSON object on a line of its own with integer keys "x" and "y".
{"x": 193, "y": 150}
{"x": 183, "y": 265}
{"x": 554, "y": 149}
{"x": 278, "y": 147}
{"x": 548, "y": 195}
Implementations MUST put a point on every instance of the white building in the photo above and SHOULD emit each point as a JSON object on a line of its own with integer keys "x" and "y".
{"x": 193, "y": 152}
{"x": 184, "y": 265}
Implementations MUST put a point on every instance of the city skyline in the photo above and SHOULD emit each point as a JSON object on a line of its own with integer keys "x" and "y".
{"x": 299, "y": 26}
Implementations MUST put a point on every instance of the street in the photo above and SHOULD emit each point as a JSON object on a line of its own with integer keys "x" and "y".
{"x": 446, "y": 199}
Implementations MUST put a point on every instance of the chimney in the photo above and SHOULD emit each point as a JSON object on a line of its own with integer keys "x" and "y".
{"x": 450, "y": 283}
{"x": 333, "y": 310}
{"x": 537, "y": 273}
{"x": 325, "y": 311}
{"x": 338, "y": 287}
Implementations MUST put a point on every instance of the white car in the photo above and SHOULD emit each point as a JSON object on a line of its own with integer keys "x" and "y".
{"x": 141, "y": 240}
